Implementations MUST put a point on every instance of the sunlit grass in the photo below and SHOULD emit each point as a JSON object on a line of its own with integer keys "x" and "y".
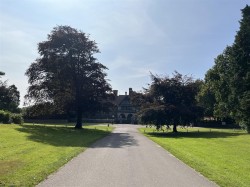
{"x": 29, "y": 153}
{"x": 221, "y": 155}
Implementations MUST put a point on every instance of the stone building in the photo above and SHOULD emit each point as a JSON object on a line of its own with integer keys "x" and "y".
{"x": 124, "y": 111}
{"x": 120, "y": 110}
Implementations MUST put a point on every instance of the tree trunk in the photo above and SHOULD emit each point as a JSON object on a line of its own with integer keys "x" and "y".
{"x": 175, "y": 128}
{"x": 79, "y": 117}
{"x": 248, "y": 128}
{"x": 78, "y": 107}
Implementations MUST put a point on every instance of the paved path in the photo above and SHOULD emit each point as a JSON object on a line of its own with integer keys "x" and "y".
{"x": 126, "y": 158}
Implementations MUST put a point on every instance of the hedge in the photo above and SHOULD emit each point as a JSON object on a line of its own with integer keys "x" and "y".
{"x": 8, "y": 117}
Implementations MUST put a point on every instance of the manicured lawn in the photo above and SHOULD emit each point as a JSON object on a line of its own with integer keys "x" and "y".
{"x": 29, "y": 153}
{"x": 223, "y": 156}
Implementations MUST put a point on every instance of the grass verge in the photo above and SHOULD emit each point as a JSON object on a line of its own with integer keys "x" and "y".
{"x": 29, "y": 153}
{"x": 222, "y": 156}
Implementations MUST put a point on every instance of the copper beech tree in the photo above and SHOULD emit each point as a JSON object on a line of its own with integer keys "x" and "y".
{"x": 169, "y": 100}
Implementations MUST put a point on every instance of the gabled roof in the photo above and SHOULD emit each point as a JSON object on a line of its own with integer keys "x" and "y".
{"x": 120, "y": 98}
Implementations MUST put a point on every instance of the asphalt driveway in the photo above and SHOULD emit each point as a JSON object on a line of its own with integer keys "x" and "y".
{"x": 126, "y": 158}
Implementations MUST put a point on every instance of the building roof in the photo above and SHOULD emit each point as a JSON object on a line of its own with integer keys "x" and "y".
{"x": 119, "y": 99}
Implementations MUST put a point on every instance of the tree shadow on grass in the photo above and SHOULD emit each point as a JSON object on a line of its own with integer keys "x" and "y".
{"x": 62, "y": 136}
{"x": 70, "y": 137}
{"x": 195, "y": 134}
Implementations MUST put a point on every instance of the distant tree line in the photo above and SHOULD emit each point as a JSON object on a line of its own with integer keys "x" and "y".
{"x": 9, "y": 103}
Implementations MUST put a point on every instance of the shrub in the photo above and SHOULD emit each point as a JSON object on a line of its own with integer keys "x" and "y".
{"x": 17, "y": 118}
{"x": 8, "y": 117}
{"x": 5, "y": 117}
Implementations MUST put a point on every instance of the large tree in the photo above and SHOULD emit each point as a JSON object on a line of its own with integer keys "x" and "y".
{"x": 169, "y": 100}
{"x": 240, "y": 65}
{"x": 67, "y": 73}
{"x": 229, "y": 79}
{"x": 206, "y": 99}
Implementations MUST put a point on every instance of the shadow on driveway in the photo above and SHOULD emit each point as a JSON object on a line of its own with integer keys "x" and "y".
{"x": 116, "y": 140}
{"x": 70, "y": 137}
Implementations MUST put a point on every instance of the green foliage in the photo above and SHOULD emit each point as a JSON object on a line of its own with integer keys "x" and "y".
{"x": 67, "y": 75}
{"x": 169, "y": 100}
{"x": 17, "y": 118}
{"x": 227, "y": 83}
{"x": 206, "y": 99}
{"x": 5, "y": 117}
{"x": 44, "y": 110}
{"x": 9, "y": 96}
{"x": 8, "y": 117}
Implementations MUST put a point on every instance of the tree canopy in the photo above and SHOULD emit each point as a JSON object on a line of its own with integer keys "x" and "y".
{"x": 228, "y": 81}
{"x": 169, "y": 100}
{"x": 67, "y": 74}
{"x": 9, "y": 96}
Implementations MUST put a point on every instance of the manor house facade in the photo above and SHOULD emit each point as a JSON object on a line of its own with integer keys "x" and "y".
{"x": 125, "y": 112}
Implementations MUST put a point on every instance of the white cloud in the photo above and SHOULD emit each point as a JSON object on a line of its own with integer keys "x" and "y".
{"x": 120, "y": 62}
{"x": 124, "y": 21}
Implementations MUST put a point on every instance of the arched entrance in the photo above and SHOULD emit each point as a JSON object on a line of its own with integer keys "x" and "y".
{"x": 122, "y": 118}
{"x": 129, "y": 118}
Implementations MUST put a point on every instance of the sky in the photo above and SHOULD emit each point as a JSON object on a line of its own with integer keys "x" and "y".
{"x": 135, "y": 37}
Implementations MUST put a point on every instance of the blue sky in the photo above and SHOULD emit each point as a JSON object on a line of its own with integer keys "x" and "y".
{"x": 135, "y": 37}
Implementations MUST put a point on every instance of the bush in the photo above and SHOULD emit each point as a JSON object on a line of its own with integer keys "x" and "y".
{"x": 17, "y": 118}
{"x": 8, "y": 117}
{"x": 5, "y": 117}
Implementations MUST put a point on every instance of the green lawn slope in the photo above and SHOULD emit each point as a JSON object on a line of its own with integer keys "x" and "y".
{"x": 29, "y": 153}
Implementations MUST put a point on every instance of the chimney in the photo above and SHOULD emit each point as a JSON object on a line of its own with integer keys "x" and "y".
{"x": 115, "y": 92}
{"x": 130, "y": 91}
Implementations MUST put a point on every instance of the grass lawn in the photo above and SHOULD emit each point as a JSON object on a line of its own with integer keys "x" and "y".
{"x": 29, "y": 153}
{"x": 223, "y": 156}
